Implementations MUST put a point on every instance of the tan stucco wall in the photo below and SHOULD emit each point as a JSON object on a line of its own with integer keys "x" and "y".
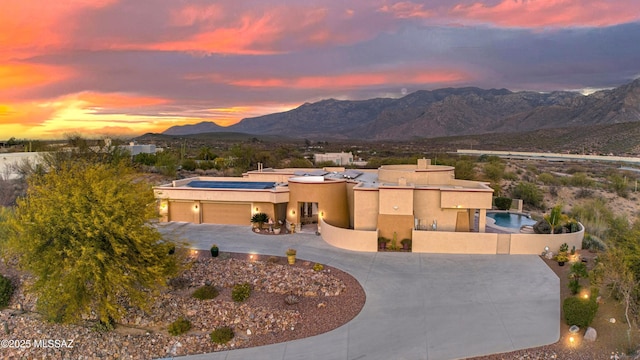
{"x": 355, "y": 240}
{"x": 366, "y": 205}
{"x": 402, "y": 225}
{"x": 267, "y": 208}
{"x": 350, "y": 203}
{"x": 440, "y": 175}
{"x": 465, "y": 199}
{"x": 535, "y": 243}
{"x": 396, "y": 200}
{"x": 444, "y": 242}
{"x": 331, "y": 197}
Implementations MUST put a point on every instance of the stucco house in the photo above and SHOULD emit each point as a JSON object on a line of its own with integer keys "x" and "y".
{"x": 351, "y": 208}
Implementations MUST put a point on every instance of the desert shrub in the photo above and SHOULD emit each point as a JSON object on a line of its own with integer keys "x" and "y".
{"x": 584, "y": 193}
{"x": 104, "y": 326}
{"x": 318, "y": 267}
{"x": 529, "y": 193}
{"x": 178, "y": 283}
{"x": 465, "y": 170}
{"x": 502, "y": 203}
{"x": 6, "y": 290}
{"x": 494, "y": 171}
{"x": 580, "y": 179}
{"x": 291, "y": 299}
{"x": 260, "y": 219}
{"x": 205, "y": 292}
{"x": 241, "y": 292}
{"x": 572, "y": 226}
{"x": 592, "y": 242}
{"x": 579, "y": 311}
{"x": 179, "y": 326}
{"x": 221, "y": 335}
{"x": 574, "y": 286}
{"x": 547, "y": 179}
{"x": 618, "y": 184}
{"x": 189, "y": 165}
{"x": 542, "y": 227}
{"x": 511, "y": 176}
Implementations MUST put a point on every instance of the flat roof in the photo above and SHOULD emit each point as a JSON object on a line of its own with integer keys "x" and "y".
{"x": 253, "y": 185}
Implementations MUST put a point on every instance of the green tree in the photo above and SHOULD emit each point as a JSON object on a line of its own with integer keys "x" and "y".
{"x": 205, "y": 153}
{"x": 529, "y": 193}
{"x": 167, "y": 163}
{"x": 83, "y": 231}
{"x": 494, "y": 171}
{"x": 465, "y": 169}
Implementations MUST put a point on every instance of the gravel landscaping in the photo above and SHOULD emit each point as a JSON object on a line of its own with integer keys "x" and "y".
{"x": 327, "y": 299}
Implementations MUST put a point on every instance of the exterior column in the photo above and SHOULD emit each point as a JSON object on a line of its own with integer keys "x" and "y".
{"x": 482, "y": 220}
{"x": 472, "y": 219}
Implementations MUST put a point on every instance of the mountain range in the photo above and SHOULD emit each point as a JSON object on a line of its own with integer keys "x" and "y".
{"x": 439, "y": 113}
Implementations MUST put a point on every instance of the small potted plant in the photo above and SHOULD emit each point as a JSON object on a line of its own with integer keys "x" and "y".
{"x": 406, "y": 244}
{"x": 291, "y": 256}
{"x": 277, "y": 227}
{"x": 259, "y": 219}
{"x": 562, "y": 258}
{"x": 214, "y": 250}
{"x": 382, "y": 242}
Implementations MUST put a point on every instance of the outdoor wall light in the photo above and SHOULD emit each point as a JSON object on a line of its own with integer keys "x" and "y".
{"x": 395, "y": 208}
{"x": 293, "y": 212}
{"x": 546, "y": 249}
{"x": 257, "y": 209}
{"x": 196, "y": 207}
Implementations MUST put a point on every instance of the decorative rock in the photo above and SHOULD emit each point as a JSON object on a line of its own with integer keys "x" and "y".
{"x": 574, "y": 329}
{"x": 248, "y": 331}
{"x": 321, "y": 305}
{"x": 612, "y": 320}
{"x": 549, "y": 255}
{"x": 310, "y": 293}
{"x": 591, "y": 334}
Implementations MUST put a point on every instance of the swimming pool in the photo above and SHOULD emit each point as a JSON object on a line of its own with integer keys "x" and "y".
{"x": 510, "y": 220}
{"x": 253, "y": 185}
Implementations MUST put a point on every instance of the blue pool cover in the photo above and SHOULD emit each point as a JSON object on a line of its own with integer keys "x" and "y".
{"x": 253, "y": 185}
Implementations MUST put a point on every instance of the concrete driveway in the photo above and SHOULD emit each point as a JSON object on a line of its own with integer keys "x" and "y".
{"x": 419, "y": 306}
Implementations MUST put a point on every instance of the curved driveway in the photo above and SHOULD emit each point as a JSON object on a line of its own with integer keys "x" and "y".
{"x": 419, "y": 306}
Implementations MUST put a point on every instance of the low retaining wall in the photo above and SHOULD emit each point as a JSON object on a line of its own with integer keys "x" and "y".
{"x": 446, "y": 242}
{"x": 349, "y": 239}
{"x": 535, "y": 243}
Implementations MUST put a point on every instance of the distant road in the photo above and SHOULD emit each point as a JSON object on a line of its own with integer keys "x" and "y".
{"x": 549, "y": 156}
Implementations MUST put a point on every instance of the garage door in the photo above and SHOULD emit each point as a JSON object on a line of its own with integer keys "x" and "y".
{"x": 181, "y": 211}
{"x": 226, "y": 213}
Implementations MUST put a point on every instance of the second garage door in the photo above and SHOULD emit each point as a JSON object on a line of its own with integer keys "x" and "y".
{"x": 226, "y": 213}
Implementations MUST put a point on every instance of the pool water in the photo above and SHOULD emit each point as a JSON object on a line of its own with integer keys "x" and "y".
{"x": 511, "y": 220}
{"x": 253, "y": 185}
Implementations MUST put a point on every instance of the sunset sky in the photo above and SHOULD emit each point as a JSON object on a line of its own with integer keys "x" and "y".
{"x": 127, "y": 67}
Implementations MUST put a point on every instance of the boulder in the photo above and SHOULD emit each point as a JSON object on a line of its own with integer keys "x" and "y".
{"x": 591, "y": 334}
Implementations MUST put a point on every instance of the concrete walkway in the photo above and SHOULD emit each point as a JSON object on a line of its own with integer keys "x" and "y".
{"x": 419, "y": 306}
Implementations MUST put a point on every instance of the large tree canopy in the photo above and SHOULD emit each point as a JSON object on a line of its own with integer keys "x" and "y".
{"x": 84, "y": 232}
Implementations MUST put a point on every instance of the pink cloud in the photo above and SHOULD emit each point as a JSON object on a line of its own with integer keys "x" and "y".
{"x": 406, "y": 10}
{"x": 551, "y": 13}
{"x": 358, "y": 80}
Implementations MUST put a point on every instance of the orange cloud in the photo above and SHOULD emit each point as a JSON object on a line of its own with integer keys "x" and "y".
{"x": 346, "y": 81}
{"x": 552, "y": 13}
{"x": 25, "y": 113}
{"x": 31, "y": 27}
{"x": 17, "y": 75}
{"x": 117, "y": 100}
{"x": 406, "y": 10}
